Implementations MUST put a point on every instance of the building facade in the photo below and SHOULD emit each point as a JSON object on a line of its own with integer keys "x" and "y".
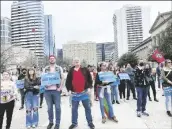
{"x": 105, "y": 51}
{"x": 158, "y": 28}
{"x": 143, "y": 49}
{"x": 131, "y": 26}
{"x": 5, "y": 30}
{"x": 85, "y": 51}
{"x": 49, "y": 43}
{"x": 27, "y": 26}
{"x": 59, "y": 53}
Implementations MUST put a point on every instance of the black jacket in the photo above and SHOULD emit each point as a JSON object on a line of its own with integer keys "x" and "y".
{"x": 140, "y": 78}
{"x": 29, "y": 85}
{"x": 87, "y": 75}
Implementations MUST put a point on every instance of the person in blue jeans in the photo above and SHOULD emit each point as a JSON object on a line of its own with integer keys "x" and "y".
{"x": 104, "y": 91}
{"x": 114, "y": 87}
{"x": 31, "y": 87}
{"x": 52, "y": 94}
{"x": 142, "y": 87}
{"x": 167, "y": 84}
{"x": 79, "y": 81}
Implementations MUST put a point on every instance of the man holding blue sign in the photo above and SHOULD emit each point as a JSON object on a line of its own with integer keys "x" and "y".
{"x": 53, "y": 80}
{"x": 78, "y": 83}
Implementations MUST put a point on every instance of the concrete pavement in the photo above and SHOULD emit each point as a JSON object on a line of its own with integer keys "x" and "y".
{"x": 125, "y": 113}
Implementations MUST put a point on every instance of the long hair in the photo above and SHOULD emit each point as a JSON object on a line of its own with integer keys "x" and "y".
{"x": 28, "y": 75}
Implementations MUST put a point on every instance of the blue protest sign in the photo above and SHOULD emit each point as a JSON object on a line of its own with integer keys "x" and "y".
{"x": 116, "y": 83}
{"x": 124, "y": 76}
{"x": 107, "y": 76}
{"x": 20, "y": 84}
{"x": 167, "y": 91}
{"x": 42, "y": 89}
{"x": 80, "y": 96}
{"x": 49, "y": 79}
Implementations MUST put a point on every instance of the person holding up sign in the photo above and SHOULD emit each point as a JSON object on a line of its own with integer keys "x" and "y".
{"x": 167, "y": 85}
{"x": 31, "y": 86}
{"x": 114, "y": 87}
{"x": 8, "y": 94}
{"x": 103, "y": 81}
{"x": 53, "y": 80}
{"x": 79, "y": 84}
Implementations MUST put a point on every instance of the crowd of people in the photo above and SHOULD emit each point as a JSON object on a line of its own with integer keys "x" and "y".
{"x": 78, "y": 82}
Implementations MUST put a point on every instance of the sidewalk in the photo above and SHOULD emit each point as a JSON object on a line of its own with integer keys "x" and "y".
{"x": 125, "y": 113}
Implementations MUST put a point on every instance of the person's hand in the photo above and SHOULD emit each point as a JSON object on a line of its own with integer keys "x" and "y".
{"x": 105, "y": 82}
{"x": 69, "y": 93}
{"x": 59, "y": 89}
{"x": 89, "y": 90}
{"x": 36, "y": 87}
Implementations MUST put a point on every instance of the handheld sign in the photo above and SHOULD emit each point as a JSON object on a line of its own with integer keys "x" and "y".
{"x": 167, "y": 91}
{"x": 107, "y": 76}
{"x": 124, "y": 76}
{"x": 42, "y": 89}
{"x": 80, "y": 96}
{"x": 20, "y": 84}
{"x": 6, "y": 95}
{"x": 116, "y": 83}
{"x": 49, "y": 79}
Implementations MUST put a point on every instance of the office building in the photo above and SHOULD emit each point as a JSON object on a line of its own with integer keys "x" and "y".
{"x": 5, "y": 30}
{"x": 49, "y": 43}
{"x": 85, "y": 51}
{"x": 105, "y": 51}
{"x": 131, "y": 27}
{"x": 59, "y": 53}
{"x": 27, "y": 26}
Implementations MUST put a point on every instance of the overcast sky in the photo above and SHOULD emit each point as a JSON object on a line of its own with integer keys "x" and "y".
{"x": 87, "y": 20}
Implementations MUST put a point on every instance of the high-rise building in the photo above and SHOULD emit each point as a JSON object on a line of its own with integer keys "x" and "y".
{"x": 5, "y": 30}
{"x": 59, "y": 53}
{"x": 27, "y": 26}
{"x": 85, "y": 51}
{"x": 105, "y": 51}
{"x": 49, "y": 43}
{"x": 131, "y": 27}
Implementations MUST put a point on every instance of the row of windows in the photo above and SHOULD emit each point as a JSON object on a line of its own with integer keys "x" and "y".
{"x": 6, "y": 33}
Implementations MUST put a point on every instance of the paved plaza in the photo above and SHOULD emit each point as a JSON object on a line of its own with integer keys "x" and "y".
{"x": 125, "y": 112}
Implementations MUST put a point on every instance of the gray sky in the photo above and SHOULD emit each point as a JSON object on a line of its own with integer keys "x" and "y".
{"x": 87, "y": 20}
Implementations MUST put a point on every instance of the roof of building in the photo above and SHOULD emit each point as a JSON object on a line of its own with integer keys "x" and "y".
{"x": 161, "y": 15}
{"x": 142, "y": 43}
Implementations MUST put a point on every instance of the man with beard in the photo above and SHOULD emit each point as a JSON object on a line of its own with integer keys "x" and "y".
{"x": 21, "y": 77}
{"x": 79, "y": 83}
{"x": 53, "y": 94}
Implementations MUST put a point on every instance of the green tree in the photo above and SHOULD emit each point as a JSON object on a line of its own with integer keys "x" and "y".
{"x": 126, "y": 58}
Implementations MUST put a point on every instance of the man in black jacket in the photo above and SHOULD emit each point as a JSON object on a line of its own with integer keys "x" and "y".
{"x": 21, "y": 77}
{"x": 79, "y": 81}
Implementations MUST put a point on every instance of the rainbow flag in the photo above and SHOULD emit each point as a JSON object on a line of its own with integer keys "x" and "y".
{"x": 106, "y": 108}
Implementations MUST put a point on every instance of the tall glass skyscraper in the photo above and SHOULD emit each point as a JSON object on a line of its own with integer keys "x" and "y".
{"x": 49, "y": 43}
{"x": 5, "y": 30}
{"x": 27, "y": 26}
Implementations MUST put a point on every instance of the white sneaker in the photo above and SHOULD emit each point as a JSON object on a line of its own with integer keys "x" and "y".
{"x": 33, "y": 126}
{"x": 28, "y": 127}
